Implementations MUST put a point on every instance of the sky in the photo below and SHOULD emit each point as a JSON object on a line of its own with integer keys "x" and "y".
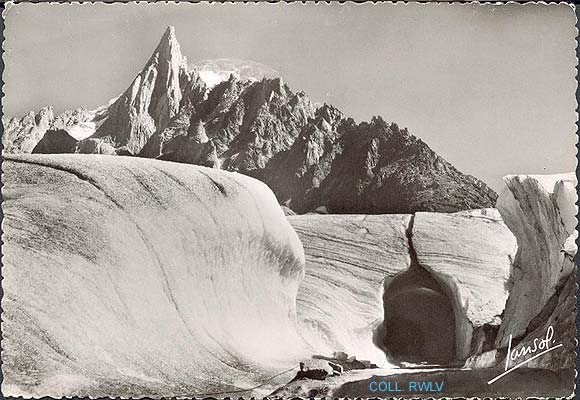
{"x": 491, "y": 88}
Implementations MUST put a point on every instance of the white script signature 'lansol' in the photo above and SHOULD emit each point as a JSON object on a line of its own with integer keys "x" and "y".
{"x": 542, "y": 345}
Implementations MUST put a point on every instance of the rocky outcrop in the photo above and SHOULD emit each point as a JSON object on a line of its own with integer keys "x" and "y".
{"x": 184, "y": 142}
{"x": 253, "y": 122}
{"x": 540, "y": 211}
{"x": 156, "y": 96}
{"x": 193, "y": 148}
{"x": 247, "y": 122}
{"x": 55, "y": 142}
{"x": 322, "y": 368}
{"x": 177, "y": 128}
{"x": 317, "y": 369}
{"x": 294, "y": 174}
{"x": 384, "y": 169}
{"x": 21, "y": 135}
{"x": 221, "y": 115}
{"x": 369, "y": 168}
{"x": 111, "y": 267}
{"x": 346, "y": 362}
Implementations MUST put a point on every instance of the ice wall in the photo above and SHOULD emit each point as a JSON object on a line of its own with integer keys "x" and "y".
{"x": 129, "y": 277}
{"x": 348, "y": 259}
{"x": 541, "y": 212}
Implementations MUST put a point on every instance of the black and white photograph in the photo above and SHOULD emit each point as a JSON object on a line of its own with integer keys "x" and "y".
{"x": 281, "y": 200}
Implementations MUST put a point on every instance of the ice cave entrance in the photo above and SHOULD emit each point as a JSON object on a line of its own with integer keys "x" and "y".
{"x": 419, "y": 320}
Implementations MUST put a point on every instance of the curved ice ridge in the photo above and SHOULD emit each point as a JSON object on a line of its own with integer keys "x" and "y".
{"x": 131, "y": 276}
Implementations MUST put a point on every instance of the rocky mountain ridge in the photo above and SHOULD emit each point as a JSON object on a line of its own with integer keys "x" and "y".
{"x": 314, "y": 158}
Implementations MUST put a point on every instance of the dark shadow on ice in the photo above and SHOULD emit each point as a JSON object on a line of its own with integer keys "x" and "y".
{"x": 419, "y": 323}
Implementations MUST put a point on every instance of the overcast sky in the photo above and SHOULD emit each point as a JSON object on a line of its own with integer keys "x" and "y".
{"x": 490, "y": 88}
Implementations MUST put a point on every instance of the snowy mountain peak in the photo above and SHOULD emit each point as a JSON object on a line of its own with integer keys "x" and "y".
{"x": 215, "y": 71}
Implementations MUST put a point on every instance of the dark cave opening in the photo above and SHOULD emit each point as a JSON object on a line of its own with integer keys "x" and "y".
{"x": 419, "y": 320}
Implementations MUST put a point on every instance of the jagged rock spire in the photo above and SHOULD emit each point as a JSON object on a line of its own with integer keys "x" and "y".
{"x": 153, "y": 98}
{"x": 166, "y": 95}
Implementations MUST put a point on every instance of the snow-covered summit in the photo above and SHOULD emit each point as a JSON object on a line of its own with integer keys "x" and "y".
{"x": 213, "y": 72}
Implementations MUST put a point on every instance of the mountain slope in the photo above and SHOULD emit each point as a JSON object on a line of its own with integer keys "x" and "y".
{"x": 262, "y": 121}
{"x": 294, "y": 174}
{"x": 247, "y": 122}
{"x": 373, "y": 168}
{"x": 384, "y": 169}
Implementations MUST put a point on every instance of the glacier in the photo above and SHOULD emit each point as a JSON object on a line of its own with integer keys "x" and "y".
{"x": 541, "y": 212}
{"x": 138, "y": 277}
